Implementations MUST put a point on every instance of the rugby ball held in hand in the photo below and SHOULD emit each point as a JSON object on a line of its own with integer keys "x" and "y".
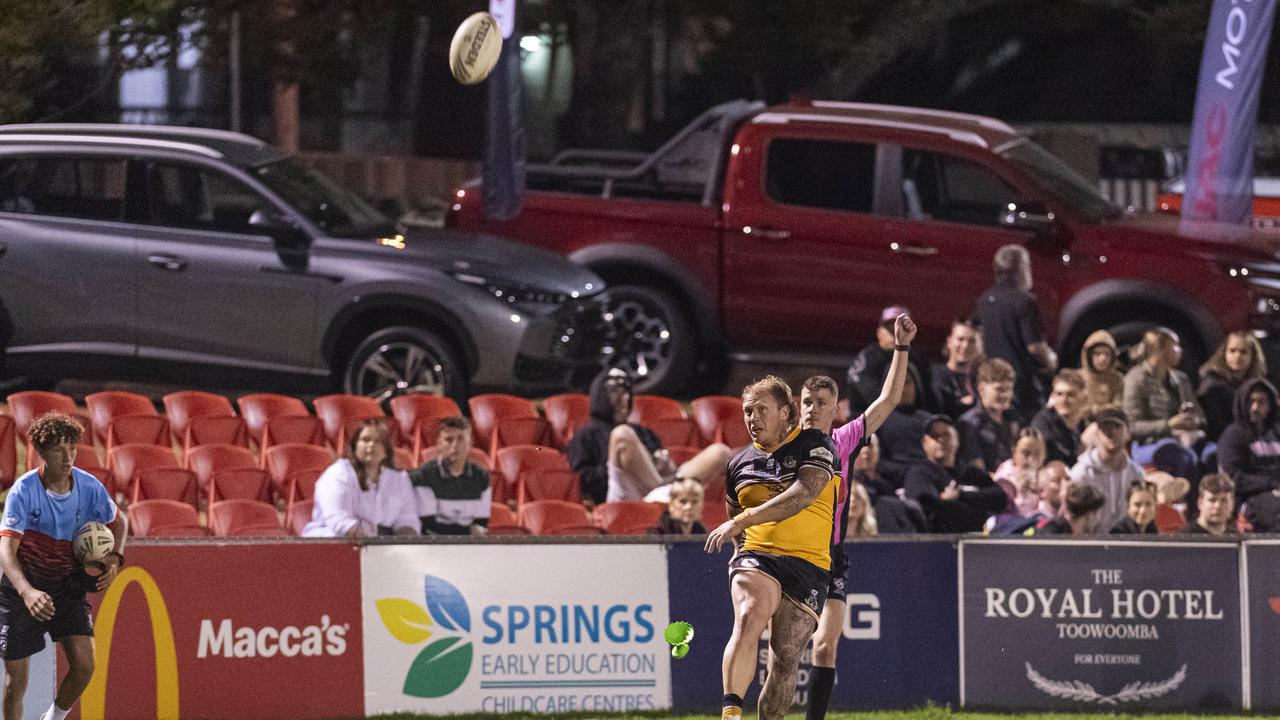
{"x": 93, "y": 542}
{"x": 475, "y": 48}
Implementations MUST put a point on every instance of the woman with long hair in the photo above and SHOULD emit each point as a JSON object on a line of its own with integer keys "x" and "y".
{"x": 1238, "y": 358}
{"x": 363, "y": 494}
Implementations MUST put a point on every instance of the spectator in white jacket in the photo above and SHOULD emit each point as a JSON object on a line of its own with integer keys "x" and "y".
{"x": 363, "y": 494}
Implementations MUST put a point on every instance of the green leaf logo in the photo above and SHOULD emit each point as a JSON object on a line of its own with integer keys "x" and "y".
{"x": 438, "y": 670}
{"x": 406, "y": 620}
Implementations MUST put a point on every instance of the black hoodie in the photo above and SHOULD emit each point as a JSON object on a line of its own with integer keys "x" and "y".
{"x": 1250, "y": 455}
{"x": 589, "y": 448}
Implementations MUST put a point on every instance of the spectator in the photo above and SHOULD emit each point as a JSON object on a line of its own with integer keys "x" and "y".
{"x": 1140, "y": 511}
{"x": 1249, "y": 450}
{"x": 1170, "y": 490}
{"x": 871, "y": 365}
{"x": 1084, "y": 505}
{"x": 955, "y": 498}
{"x": 363, "y": 494}
{"x": 953, "y": 380}
{"x": 1216, "y": 504}
{"x": 683, "y": 515}
{"x": 1161, "y": 405}
{"x": 453, "y": 494}
{"x": 1022, "y": 471}
{"x": 862, "y": 515}
{"x": 988, "y": 430}
{"x": 1238, "y": 359}
{"x": 1262, "y": 512}
{"x": 617, "y": 460}
{"x": 901, "y": 432}
{"x": 1103, "y": 381}
{"x": 1107, "y": 466}
{"x": 892, "y": 515}
{"x": 1012, "y": 330}
{"x": 1059, "y": 422}
{"x": 1054, "y": 478}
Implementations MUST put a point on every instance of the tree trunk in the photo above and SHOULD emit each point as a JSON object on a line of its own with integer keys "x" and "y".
{"x": 285, "y": 102}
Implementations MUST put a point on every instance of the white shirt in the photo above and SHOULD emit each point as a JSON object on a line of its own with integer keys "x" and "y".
{"x": 340, "y": 504}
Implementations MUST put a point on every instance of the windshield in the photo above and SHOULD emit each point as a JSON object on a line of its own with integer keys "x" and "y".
{"x": 1061, "y": 180}
{"x": 335, "y": 210}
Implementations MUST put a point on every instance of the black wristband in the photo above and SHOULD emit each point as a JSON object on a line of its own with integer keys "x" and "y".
{"x": 119, "y": 555}
{"x": 903, "y": 348}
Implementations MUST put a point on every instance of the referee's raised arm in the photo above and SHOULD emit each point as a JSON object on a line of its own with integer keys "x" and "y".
{"x": 904, "y": 331}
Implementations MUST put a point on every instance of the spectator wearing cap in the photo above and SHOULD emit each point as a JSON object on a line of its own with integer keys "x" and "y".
{"x": 617, "y": 460}
{"x": 1084, "y": 512}
{"x": 901, "y": 432}
{"x": 1161, "y": 404}
{"x": 988, "y": 430}
{"x": 1012, "y": 329}
{"x": 1059, "y": 421}
{"x": 871, "y": 366}
{"x": 1249, "y": 449}
{"x": 1216, "y": 503}
{"x": 955, "y": 498}
{"x": 954, "y": 380}
{"x": 1108, "y": 467}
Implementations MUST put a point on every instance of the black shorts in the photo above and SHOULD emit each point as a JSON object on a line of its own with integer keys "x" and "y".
{"x": 22, "y": 636}
{"x": 801, "y": 581}
{"x": 839, "y": 568}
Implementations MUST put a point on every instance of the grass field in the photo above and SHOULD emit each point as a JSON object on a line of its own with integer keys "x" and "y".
{"x": 930, "y": 713}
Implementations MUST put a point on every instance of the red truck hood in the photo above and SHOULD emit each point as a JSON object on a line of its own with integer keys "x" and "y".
{"x": 1224, "y": 241}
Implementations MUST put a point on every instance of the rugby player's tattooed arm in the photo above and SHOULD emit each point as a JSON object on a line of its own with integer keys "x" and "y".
{"x": 807, "y": 486}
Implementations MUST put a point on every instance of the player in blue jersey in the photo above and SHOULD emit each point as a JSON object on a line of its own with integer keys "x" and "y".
{"x": 43, "y": 588}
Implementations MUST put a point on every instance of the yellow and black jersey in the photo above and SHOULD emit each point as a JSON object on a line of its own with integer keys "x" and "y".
{"x": 757, "y": 474}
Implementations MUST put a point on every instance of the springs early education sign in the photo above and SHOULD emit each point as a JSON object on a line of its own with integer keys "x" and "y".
{"x": 1118, "y": 626}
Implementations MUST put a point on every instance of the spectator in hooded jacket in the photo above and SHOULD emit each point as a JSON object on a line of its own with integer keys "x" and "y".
{"x": 1249, "y": 449}
{"x": 1107, "y": 466}
{"x": 1239, "y": 358}
{"x": 617, "y": 460}
{"x": 1103, "y": 381}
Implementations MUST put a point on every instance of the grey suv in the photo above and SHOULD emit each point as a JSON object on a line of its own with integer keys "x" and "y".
{"x": 144, "y": 249}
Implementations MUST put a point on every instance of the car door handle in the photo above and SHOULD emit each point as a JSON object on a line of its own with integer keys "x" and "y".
{"x": 168, "y": 262}
{"x": 917, "y": 250}
{"x": 766, "y": 233}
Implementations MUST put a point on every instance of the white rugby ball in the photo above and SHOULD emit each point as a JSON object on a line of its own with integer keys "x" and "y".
{"x": 475, "y": 48}
{"x": 93, "y": 542}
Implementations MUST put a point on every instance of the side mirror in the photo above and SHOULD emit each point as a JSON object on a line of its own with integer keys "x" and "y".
{"x": 278, "y": 228}
{"x": 1032, "y": 216}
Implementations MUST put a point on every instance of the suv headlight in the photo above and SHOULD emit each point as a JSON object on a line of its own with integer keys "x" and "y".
{"x": 513, "y": 293}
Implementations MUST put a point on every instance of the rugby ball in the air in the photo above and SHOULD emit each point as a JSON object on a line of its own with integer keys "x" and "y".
{"x": 475, "y": 48}
{"x": 93, "y": 542}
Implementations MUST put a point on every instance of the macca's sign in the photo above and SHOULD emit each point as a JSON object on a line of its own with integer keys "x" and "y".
{"x": 93, "y": 703}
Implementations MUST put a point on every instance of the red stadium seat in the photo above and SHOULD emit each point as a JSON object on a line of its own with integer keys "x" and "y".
{"x": 25, "y": 407}
{"x": 548, "y": 484}
{"x": 166, "y": 484}
{"x": 575, "y": 530}
{"x": 676, "y": 432}
{"x": 169, "y": 518}
{"x": 404, "y": 459}
{"x": 1168, "y": 519}
{"x": 284, "y": 459}
{"x": 301, "y": 429}
{"x": 297, "y": 516}
{"x": 244, "y": 518}
{"x": 566, "y": 413}
{"x": 133, "y": 429}
{"x": 414, "y": 408}
{"x": 681, "y": 454}
{"x": 100, "y": 473}
{"x": 126, "y": 461}
{"x": 244, "y": 483}
{"x": 517, "y": 459}
{"x": 215, "y": 430}
{"x": 620, "y": 515}
{"x": 509, "y": 530}
{"x": 258, "y": 408}
{"x": 714, "y": 514}
{"x": 181, "y": 407}
{"x": 488, "y": 409}
{"x": 106, "y": 406}
{"x": 500, "y": 516}
{"x": 719, "y": 417}
{"x": 335, "y": 411}
{"x": 8, "y": 451}
{"x": 205, "y": 460}
{"x": 300, "y": 485}
{"x": 519, "y": 431}
{"x": 544, "y": 517}
{"x": 647, "y": 408}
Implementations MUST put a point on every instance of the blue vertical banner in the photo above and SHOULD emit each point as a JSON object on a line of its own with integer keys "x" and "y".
{"x": 504, "y": 157}
{"x": 1219, "y": 179}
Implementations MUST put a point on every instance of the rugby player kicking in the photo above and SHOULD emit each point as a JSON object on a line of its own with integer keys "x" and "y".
{"x": 43, "y": 589}
{"x": 783, "y": 493}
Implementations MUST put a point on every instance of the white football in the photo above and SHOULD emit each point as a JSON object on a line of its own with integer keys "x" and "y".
{"x": 475, "y": 48}
{"x": 93, "y": 542}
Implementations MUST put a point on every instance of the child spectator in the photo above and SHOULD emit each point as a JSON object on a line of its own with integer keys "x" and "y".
{"x": 684, "y": 510}
{"x": 1022, "y": 471}
{"x": 1108, "y": 467}
{"x": 1140, "y": 511}
{"x": 1249, "y": 449}
{"x": 988, "y": 430}
{"x": 1084, "y": 504}
{"x": 1103, "y": 381}
{"x": 453, "y": 494}
{"x": 1238, "y": 359}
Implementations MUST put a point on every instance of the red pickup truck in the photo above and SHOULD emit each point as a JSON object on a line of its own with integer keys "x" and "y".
{"x": 777, "y": 234}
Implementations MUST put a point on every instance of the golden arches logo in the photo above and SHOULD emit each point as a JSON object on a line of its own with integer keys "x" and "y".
{"x": 94, "y": 701}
